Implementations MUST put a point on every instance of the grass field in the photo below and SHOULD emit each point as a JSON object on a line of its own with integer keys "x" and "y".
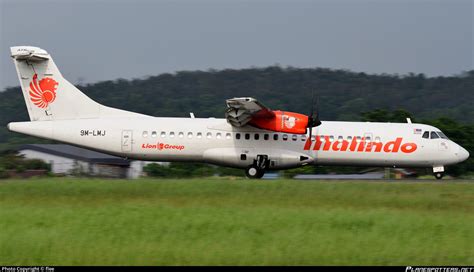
{"x": 235, "y": 222}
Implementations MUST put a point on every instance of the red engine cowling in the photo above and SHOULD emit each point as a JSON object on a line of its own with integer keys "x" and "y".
{"x": 282, "y": 121}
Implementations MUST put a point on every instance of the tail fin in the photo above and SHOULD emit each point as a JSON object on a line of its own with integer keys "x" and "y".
{"x": 49, "y": 96}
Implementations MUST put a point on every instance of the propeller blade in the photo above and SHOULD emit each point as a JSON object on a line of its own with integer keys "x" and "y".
{"x": 313, "y": 120}
{"x": 310, "y": 134}
{"x": 316, "y": 121}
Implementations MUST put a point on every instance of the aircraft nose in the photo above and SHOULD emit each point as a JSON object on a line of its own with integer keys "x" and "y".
{"x": 462, "y": 154}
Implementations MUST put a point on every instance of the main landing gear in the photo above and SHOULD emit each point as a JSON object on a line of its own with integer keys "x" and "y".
{"x": 257, "y": 169}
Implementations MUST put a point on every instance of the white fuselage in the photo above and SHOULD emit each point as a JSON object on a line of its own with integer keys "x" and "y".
{"x": 214, "y": 141}
{"x": 58, "y": 110}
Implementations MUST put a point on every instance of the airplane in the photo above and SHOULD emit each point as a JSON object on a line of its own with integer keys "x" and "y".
{"x": 251, "y": 136}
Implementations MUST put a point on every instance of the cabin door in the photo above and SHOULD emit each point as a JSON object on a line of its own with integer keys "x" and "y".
{"x": 127, "y": 141}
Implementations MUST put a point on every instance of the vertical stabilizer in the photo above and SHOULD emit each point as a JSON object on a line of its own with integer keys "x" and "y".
{"x": 48, "y": 95}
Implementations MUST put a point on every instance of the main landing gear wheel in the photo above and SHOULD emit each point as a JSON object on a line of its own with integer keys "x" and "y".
{"x": 254, "y": 172}
{"x": 257, "y": 169}
{"x": 438, "y": 175}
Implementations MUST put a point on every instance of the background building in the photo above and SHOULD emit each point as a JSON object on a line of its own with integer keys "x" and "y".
{"x": 72, "y": 160}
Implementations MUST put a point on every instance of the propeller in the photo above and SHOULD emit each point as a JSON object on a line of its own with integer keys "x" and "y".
{"x": 313, "y": 120}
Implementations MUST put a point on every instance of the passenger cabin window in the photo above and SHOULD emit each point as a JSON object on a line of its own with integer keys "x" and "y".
{"x": 209, "y": 135}
{"x": 180, "y": 134}
{"x": 171, "y": 134}
{"x": 145, "y": 134}
{"x": 190, "y": 135}
{"x": 368, "y": 139}
{"x": 340, "y": 139}
{"x": 285, "y": 137}
{"x": 256, "y": 136}
{"x": 349, "y": 138}
{"x": 228, "y": 136}
{"x": 218, "y": 135}
{"x": 434, "y": 135}
{"x": 303, "y": 138}
{"x": 153, "y": 134}
{"x": 275, "y": 137}
{"x": 247, "y": 136}
{"x": 358, "y": 139}
{"x": 331, "y": 138}
{"x": 377, "y": 139}
{"x": 426, "y": 135}
{"x": 199, "y": 135}
{"x": 237, "y": 136}
{"x": 266, "y": 136}
{"x": 294, "y": 137}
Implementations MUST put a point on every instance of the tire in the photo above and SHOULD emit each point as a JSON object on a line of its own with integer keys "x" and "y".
{"x": 252, "y": 172}
{"x": 438, "y": 175}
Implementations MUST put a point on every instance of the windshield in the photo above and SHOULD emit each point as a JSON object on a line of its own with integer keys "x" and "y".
{"x": 441, "y": 134}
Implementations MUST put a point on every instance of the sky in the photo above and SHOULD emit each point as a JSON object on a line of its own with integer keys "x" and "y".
{"x": 92, "y": 41}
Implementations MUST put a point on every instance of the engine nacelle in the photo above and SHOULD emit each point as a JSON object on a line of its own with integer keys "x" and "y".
{"x": 282, "y": 121}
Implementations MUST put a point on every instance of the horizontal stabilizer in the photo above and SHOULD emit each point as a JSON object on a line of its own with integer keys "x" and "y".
{"x": 29, "y": 53}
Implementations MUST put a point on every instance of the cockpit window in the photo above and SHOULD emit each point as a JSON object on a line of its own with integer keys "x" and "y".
{"x": 434, "y": 135}
{"x": 442, "y": 135}
{"x": 426, "y": 135}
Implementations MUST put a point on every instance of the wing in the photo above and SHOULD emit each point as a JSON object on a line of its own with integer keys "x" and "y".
{"x": 241, "y": 110}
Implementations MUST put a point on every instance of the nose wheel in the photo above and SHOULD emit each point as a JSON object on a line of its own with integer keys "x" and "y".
{"x": 438, "y": 175}
{"x": 438, "y": 172}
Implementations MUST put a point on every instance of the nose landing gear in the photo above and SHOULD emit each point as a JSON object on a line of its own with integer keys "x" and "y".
{"x": 438, "y": 172}
{"x": 438, "y": 175}
{"x": 257, "y": 169}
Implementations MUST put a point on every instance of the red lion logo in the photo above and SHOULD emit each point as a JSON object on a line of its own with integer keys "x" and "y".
{"x": 43, "y": 93}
